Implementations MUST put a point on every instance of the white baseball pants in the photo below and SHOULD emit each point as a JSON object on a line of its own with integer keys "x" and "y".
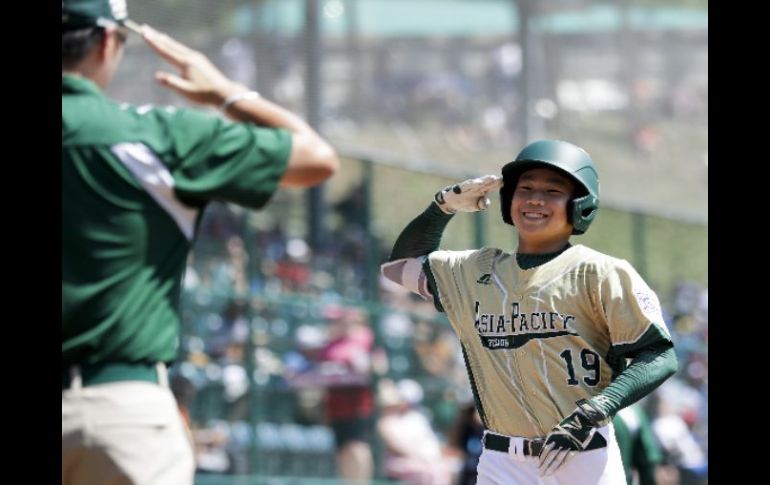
{"x": 602, "y": 466}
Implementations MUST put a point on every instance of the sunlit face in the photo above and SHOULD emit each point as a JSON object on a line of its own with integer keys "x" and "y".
{"x": 539, "y": 210}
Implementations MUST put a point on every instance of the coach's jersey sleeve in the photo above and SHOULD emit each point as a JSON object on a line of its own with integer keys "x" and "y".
{"x": 214, "y": 159}
{"x": 631, "y": 309}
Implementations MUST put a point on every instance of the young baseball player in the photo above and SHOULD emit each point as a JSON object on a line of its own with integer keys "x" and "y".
{"x": 557, "y": 337}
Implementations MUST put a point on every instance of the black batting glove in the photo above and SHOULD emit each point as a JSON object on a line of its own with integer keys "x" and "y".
{"x": 571, "y": 435}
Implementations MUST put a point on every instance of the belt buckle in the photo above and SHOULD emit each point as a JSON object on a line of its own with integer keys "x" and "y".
{"x": 517, "y": 449}
{"x": 533, "y": 447}
{"x": 513, "y": 450}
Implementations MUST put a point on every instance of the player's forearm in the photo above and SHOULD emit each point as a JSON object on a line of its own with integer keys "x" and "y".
{"x": 423, "y": 235}
{"x": 647, "y": 370}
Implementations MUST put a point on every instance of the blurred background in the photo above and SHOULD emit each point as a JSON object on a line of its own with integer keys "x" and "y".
{"x": 288, "y": 329}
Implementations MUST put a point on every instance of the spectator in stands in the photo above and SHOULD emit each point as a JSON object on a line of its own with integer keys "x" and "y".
{"x": 413, "y": 452}
{"x": 466, "y": 436}
{"x": 350, "y": 405}
{"x": 675, "y": 415}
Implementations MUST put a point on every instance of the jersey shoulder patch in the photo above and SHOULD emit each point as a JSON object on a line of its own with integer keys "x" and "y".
{"x": 646, "y": 299}
{"x": 650, "y": 306}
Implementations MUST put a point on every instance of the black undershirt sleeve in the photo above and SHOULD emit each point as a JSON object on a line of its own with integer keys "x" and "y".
{"x": 421, "y": 237}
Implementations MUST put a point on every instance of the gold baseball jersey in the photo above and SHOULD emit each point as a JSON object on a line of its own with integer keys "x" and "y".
{"x": 537, "y": 340}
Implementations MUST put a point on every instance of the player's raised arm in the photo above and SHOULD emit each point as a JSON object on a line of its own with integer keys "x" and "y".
{"x": 423, "y": 235}
{"x": 407, "y": 263}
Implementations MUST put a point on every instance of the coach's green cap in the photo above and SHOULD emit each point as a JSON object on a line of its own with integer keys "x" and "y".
{"x": 78, "y": 14}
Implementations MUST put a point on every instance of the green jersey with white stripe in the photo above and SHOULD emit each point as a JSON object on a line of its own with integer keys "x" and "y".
{"x": 134, "y": 183}
{"x": 537, "y": 340}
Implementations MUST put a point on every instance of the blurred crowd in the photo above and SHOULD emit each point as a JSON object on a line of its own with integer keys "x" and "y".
{"x": 287, "y": 370}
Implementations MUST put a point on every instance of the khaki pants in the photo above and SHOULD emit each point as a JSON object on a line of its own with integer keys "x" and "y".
{"x": 124, "y": 433}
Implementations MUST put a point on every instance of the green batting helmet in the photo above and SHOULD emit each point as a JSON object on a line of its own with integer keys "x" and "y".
{"x": 566, "y": 158}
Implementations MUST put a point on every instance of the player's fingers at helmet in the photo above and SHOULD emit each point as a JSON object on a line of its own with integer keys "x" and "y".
{"x": 468, "y": 186}
{"x": 489, "y": 178}
{"x": 479, "y": 191}
{"x": 492, "y": 182}
{"x": 486, "y": 182}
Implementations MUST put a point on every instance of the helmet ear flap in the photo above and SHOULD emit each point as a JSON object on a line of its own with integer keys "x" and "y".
{"x": 581, "y": 211}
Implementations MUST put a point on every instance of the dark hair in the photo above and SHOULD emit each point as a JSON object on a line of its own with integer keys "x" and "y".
{"x": 76, "y": 44}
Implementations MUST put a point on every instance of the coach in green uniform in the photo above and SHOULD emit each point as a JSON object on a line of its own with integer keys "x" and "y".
{"x": 134, "y": 183}
{"x": 556, "y": 337}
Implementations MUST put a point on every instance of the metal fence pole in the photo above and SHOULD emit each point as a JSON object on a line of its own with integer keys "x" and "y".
{"x": 372, "y": 252}
{"x": 638, "y": 235}
{"x": 479, "y": 234}
{"x": 313, "y": 51}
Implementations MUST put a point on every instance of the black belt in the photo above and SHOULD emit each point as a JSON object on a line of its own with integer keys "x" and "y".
{"x": 103, "y": 373}
{"x": 532, "y": 447}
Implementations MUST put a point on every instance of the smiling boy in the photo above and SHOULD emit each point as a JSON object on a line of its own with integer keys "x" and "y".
{"x": 557, "y": 338}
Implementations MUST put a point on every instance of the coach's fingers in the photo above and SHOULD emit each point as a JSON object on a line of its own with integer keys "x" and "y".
{"x": 169, "y": 49}
{"x": 166, "y": 41}
{"x": 134, "y": 27}
{"x": 175, "y": 82}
